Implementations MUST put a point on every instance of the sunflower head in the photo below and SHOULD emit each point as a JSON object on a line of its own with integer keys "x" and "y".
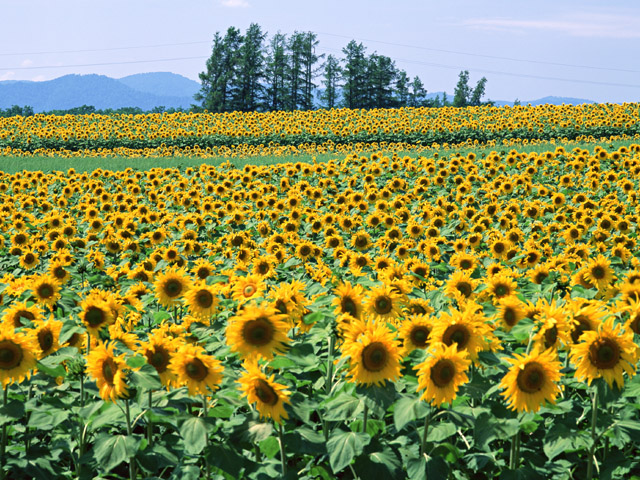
{"x": 442, "y": 373}
{"x": 258, "y": 331}
{"x": 268, "y": 396}
{"x": 199, "y": 372}
{"x": 17, "y": 355}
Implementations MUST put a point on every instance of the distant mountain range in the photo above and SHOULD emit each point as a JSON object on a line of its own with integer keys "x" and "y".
{"x": 143, "y": 90}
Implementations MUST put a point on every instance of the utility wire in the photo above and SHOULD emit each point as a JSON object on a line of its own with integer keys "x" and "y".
{"x": 512, "y": 59}
{"x": 105, "y": 63}
{"x": 101, "y": 49}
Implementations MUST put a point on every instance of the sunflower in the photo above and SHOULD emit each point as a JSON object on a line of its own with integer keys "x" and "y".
{"x": 170, "y": 286}
{"x": 510, "y": 311}
{"x": 531, "y": 380}
{"x": 460, "y": 286}
{"x": 414, "y": 333}
{"x": 29, "y": 260}
{"x": 201, "y": 300}
{"x": 47, "y": 334}
{"x": 195, "y": 369}
{"x": 247, "y": 288}
{"x": 464, "y": 329}
{"x": 374, "y": 355}
{"x": 109, "y": 371}
{"x": 17, "y": 355}
{"x": 383, "y": 303}
{"x": 46, "y": 290}
{"x": 500, "y": 285}
{"x": 203, "y": 269}
{"x": 96, "y": 314}
{"x": 598, "y": 272}
{"x": 283, "y": 298}
{"x": 606, "y": 352}
{"x": 633, "y": 322}
{"x": 555, "y": 327}
{"x": 58, "y": 271}
{"x": 585, "y": 315}
{"x": 349, "y": 300}
{"x": 257, "y": 330}
{"x": 268, "y": 396}
{"x": 442, "y": 373}
{"x": 19, "y": 312}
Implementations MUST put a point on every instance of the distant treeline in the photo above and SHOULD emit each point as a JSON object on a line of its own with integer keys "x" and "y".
{"x": 248, "y": 72}
{"x": 27, "y": 111}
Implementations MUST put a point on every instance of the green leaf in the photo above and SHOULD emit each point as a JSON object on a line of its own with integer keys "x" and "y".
{"x": 343, "y": 447}
{"x": 378, "y": 398}
{"x": 557, "y": 440}
{"x": 343, "y": 407}
{"x": 408, "y": 409}
{"x": 146, "y": 378}
{"x": 45, "y": 367}
{"x": 47, "y": 418}
{"x": 13, "y": 410}
{"x": 110, "y": 451}
{"x": 258, "y": 432}
{"x": 136, "y": 361}
{"x": 194, "y": 433}
{"x": 269, "y": 447}
{"x": 441, "y": 431}
{"x": 312, "y": 318}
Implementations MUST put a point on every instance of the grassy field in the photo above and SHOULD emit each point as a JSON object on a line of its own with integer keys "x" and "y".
{"x": 87, "y": 164}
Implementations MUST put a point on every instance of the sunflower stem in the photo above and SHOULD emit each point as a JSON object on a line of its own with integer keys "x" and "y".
{"x": 423, "y": 440}
{"x": 366, "y": 417}
{"x": 329, "y": 380}
{"x": 594, "y": 420}
{"x": 283, "y": 458}
{"x": 149, "y": 422}
{"x": 205, "y": 412}
{"x": 132, "y": 466}
{"x": 3, "y": 444}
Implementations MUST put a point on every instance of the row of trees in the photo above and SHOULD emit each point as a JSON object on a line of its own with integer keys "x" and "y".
{"x": 248, "y": 72}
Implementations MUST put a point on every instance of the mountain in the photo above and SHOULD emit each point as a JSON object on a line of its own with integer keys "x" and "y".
{"x": 162, "y": 83}
{"x": 547, "y": 100}
{"x": 145, "y": 91}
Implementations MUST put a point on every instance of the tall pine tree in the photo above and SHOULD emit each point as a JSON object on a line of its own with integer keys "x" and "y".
{"x": 332, "y": 73}
{"x": 354, "y": 76}
{"x": 251, "y": 69}
{"x": 277, "y": 74}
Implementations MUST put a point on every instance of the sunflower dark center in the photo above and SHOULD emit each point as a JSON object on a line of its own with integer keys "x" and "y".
{"x": 419, "y": 336}
{"x": 361, "y": 241}
{"x": 10, "y": 355}
{"x": 45, "y": 339}
{"x": 598, "y": 272}
{"x": 203, "y": 273}
{"x": 383, "y": 304}
{"x": 531, "y": 378}
{"x": 604, "y": 353}
{"x": 635, "y": 325}
{"x": 258, "y": 332}
{"x": 551, "y": 337}
{"x": 348, "y": 305}
{"x": 196, "y": 370}
{"x": 443, "y": 372}
{"x": 510, "y": 317}
{"x": 204, "y": 299}
{"x": 266, "y": 393}
{"x": 173, "y": 288}
{"x": 582, "y": 326}
{"x": 501, "y": 290}
{"x": 464, "y": 288}
{"x": 159, "y": 359}
{"x": 95, "y": 316}
{"x": 466, "y": 264}
{"x": 374, "y": 357}
{"x": 109, "y": 370}
{"x": 305, "y": 250}
{"x": 45, "y": 291}
{"x": 458, "y": 334}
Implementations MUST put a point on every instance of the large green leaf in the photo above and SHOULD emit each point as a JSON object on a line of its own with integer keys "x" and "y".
{"x": 343, "y": 447}
{"x": 110, "y": 451}
{"x": 146, "y": 378}
{"x": 47, "y": 418}
{"x": 194, "y": 433}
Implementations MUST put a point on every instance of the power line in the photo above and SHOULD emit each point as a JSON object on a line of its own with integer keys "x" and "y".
{"x": 102, "y": 49}
{"x": 511, "y": 74}
{"x": 105, "y": 63}
{"x": 512, "y": 59}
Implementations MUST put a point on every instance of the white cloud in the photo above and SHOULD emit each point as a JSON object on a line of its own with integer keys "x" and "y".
{"x": 234, "y": 3}
{"x": 584, "y": 25}
{"x": 26, "y": 63}
{"x": 7, "y": 76}
{"x": 39, "y": 78}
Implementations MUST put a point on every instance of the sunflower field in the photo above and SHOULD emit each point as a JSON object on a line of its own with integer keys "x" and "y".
{"x": 441, "y": 315}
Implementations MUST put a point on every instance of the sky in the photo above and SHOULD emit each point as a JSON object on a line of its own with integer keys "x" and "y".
{"x": 527, "y": 50}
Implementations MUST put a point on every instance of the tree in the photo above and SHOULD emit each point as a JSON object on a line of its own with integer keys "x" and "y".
{"x": 332, "y": 72}
{"x": 462, "y": 92}
{"x": 219, "y": 91}
{"x": 402, "y": 89}
{"x": 381, "y": 74}
{"x": 418, "y": 94}
{"x": 354, "y": 75}
{"x": 277, "y": 73}
{"x": 251, "y": 69}
{"x": 309, "y": 60}
{"x": 478, "y": 92}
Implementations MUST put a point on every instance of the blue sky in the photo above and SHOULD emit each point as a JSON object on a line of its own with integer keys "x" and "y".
{"x": 527, "y": 50}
